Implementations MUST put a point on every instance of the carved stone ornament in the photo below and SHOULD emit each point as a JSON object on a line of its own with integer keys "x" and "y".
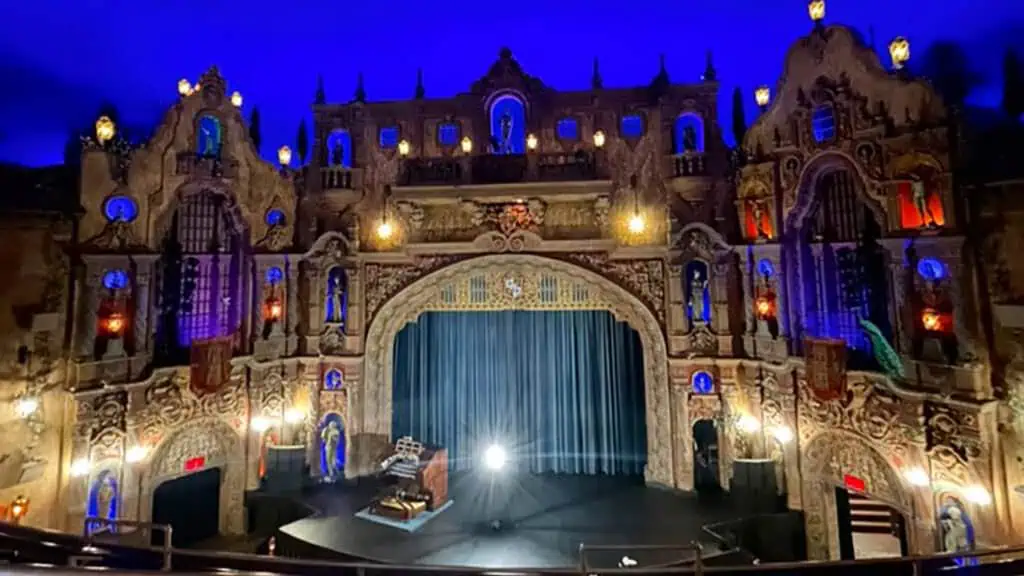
{"x": 867, "y": 409}
{"x": 702, "y": 342}
{"x": 332, "y": 340}
{"x": 645, "y": 279}
{"x": 385, "y": 280}
{"x": 411, "y": 213}
{"x": 577, "y": 288}
{"x": 167, "y": 404}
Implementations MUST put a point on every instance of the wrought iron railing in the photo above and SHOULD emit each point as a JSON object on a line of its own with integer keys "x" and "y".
{"x": 499, "y": 169}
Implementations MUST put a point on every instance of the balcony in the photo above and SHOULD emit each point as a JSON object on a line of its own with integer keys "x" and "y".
{"x": 339, "y": 178}
{"x": 688, "y": 164}
{"x": 199, "y": 166}
{"x": 499, "y": 169}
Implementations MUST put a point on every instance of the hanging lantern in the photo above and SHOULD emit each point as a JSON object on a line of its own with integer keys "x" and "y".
{"x": 636, "y": 224}
{"x": 931, "y": 320}
{"x": 599, "y": 139}
{"x": 403, "y": 148}
{"x": 816, "y": 10}
{"x": 184, "y": 87}
{"x": 19, "y": 507}
{"x": 272, "y": 310}
{"x": 114, "y": 324}
{"x": 764, "y": 306}
{"x": 531, "y": 142}
{"x": 384, "y": 230}
{"x": 899, "y": 52}
{"x": 762, "y": 95}
{"x": 105, "y": 129}
{"x": 236, "y": 99}
{"x": 467, "y": 145}
{"x": 284, "y": 155}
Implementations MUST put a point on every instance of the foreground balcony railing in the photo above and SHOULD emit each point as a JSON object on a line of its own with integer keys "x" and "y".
{"x": 201, "y": 166}
{"x": 500, "y": 169}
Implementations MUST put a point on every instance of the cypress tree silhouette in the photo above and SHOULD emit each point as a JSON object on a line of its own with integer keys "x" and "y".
{"x": 739, "y": 117}
{"x": 1013, "y": 86}
{"x": 254, "y": 129}
{"x": 302, "y": 142}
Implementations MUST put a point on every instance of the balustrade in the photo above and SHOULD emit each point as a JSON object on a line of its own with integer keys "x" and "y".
{"x": 336, "y": 178}
{"x": 688, "y": 164}
{"x": 198, "y": 165}
{"x": 499, "y": 169}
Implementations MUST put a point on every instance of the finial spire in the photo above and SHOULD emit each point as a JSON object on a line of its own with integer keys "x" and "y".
{"x": 360, "y": 90}
{"x": 420, "y": 90}
{"x": 321, "y": 96}
{"x": 710, "y": 75}
{"x": 595, "y": 79}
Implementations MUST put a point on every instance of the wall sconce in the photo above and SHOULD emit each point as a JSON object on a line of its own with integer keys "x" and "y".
{"x": 294, "y": 415}
{"x": 236, "y": 99}
{"x": 762, "y": 96}
{"x": 782, "y": 434}
{"x": 260, "y": 424}
{"x": 531, "y": 142}
{"x": 899, "y": 52}
{"x": 184, "y": 87}
{"x": 272, "y": 310}
{"x": 816, "y": 10}
{"x": 80, "y": 467}
{"x": 747, "y": 424}
{"x": 26, "y": 406}
{"x": 105, "y": 130}
{"x": 978, "y": 495}
{"x": 467, "y": 145}
{"x": 764, "y": 306}
{"x": 284, "y": 156}
{"x": 931, "y": 320}
{"x": 114, "y": 324}
{"x": 136, "y": 454}
{"x": 917, "y": 476}
{"x": 19, "y": 508}
{"x": 599, "y": 139}
{"x": 403, "y": 148}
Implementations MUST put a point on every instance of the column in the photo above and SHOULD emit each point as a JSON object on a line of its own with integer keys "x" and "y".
{"x": 257, "y": 314}
{"x": 354, "y": 323}
{"x": 899, "y": 291}
{"x": 314, "y": 283}
{"x": 721, "y": 273}
{"x": 141, "y": 323}
{"x": 675, "y": 307}
{"x": 292, "y": 293}
{"x": 88, "y": 317}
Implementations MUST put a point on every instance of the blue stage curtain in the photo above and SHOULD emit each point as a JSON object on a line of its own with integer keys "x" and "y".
{"x": 561, "y": 391}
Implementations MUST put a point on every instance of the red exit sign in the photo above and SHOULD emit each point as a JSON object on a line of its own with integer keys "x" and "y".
{"x": 196, "y": 463}
{"x": 854, "y": 483}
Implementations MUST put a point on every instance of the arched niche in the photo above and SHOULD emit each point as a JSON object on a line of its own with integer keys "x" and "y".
{"x": 688, "y": 134}
{"x": 507, "y": 116}
{"x": 331, "y": 429}
{"x": 209, "y": 135}
{"x": 338, "y": 148}
{"x": 336, "y": 296}
{"x": 955, "y": 527}
{"x": 334, "y": 380}
{"x": 220, "y": 446}
{"x": 828, "y": 461}
{"x": 697, "y": 288}
{"x": 371, "y": 408}
{"x": 920, "y": 185}
{"x": 104, "y": 498}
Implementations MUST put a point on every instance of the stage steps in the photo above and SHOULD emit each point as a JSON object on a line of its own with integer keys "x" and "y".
{"x": 869, "y": 516}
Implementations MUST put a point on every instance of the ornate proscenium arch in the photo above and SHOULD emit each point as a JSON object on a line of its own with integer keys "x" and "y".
{"x": 370, "y": 405}
{"x": 828, "y": 459}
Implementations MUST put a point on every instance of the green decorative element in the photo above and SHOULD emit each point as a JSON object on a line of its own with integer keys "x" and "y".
{"x": 886, "y": 356}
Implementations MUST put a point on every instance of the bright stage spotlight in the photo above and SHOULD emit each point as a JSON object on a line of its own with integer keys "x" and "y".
{"x": 494, "y": 457}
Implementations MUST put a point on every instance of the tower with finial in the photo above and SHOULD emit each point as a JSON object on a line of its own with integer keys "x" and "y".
{"x": 710, "y": 75}
{"x": 321, "y": 96}
{"x": 660, "y": 83}
{"x": 595, "y": 78}
{"x": 360, "y": 95}
{"x": 421, "y": 92}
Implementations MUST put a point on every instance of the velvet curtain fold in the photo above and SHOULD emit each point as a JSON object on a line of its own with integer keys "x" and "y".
{"x": 561, "y": 391}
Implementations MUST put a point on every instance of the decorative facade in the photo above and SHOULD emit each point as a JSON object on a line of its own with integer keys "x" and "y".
{"x": 814, "y": 296}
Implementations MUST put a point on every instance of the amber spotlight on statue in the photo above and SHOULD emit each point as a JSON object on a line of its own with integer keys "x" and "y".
{"x": 114, "y": 324}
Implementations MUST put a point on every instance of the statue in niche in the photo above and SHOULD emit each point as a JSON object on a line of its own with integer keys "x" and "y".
{"x": 689, "y": 139}
{"x": 757, "y": 209}
{"x": 337, "y": 153}
{"x": 697, "y": 303}
{"x": 331, "y": 438}
{"x": 505, "y": 124}
{"x": 921, "y": 195}
{"x": 336, "y": 296}
{"x": 105, "y": 497}
{"x": 956, "y": 530}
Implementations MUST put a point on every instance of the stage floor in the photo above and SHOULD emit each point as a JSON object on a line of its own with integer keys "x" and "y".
{"x": 543, "y": 521}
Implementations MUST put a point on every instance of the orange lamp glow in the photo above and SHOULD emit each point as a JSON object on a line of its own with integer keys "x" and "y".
{"x": 931, "y": 320}
{"x": 19, "y": 507}
{"x": 114, "y": 324}
{"x": 274, "y": 309}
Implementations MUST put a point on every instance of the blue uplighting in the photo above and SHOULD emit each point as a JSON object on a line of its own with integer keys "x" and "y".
{"x": 631, "y": 127}
{"x": 388, "y": 138}
{"x": 448, "y": 134}
{"x": 275, "y": 217}
{"x": 120, "y": 209}
{"x": 115, "y": 279}
{"x": 568, "y": 129}
{"x": 702, "y": 383}
{"x": 333, "y": 379}
{"x": 274, "y": 275}
{"x": 931, "y": 269}
{"x": 765, "y": 268}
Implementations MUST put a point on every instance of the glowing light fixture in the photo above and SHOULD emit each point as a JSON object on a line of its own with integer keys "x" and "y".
{"x": 273, "y": 309}
{"x": 917, "y": 476}
{"x": 763, "y": 306}
{"x": 531, "y": 142}
{"x": 599, "y": 139}
{"x": 899, "y": 52}
{"x": 184, "y": 87}
{"x": 816, "y": 10}
{"x": 114, "y": 324}
{"x": 977, "y": 494}
{"x": 747, "y": 424}
{"x": 105, "y": 129}
{"x": 403, "y": 148}
{"x": 495, "y": 457}
{"x": 782, "y": 434}
{"x": 931, "y": 320}
{"x": 466, "y": 144}
{"x": 762, "y": 95}
{"x": 294, "y": 415}
{"x": 136, "y": 454}
{"x": 26, "y": 406}
{"x": 236, "y": 99}
{"x": 19, "y": 507}
{"x": 284, "y": 155}
{"x": 80, "y": 467}
{"x": 385, "y": 230}
{"x": 637, "y": 224}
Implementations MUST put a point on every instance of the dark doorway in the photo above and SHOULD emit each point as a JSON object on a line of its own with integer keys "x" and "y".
{"x": 868, "y": 528}
{"x": 705, "y": 457}
{"x": 191, "y": 505}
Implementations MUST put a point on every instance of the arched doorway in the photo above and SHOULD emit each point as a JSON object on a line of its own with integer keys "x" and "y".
{"x": 186, "y": 459}
{"x": 838, "y": 465}
{"x": 706, "y": 478}
{"x": 491, "y": 282}
{"x": 190, "y": 504}
{"x": 840, "y": 285}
